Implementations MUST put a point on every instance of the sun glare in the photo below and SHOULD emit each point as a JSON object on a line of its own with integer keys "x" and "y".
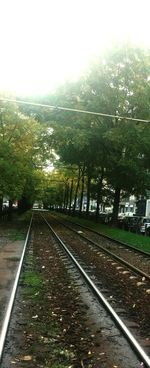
{"x": 45, "y": 42}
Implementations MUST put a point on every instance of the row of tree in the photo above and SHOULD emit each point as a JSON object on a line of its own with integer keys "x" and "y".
{"x": 110, "y": 155}
{"x": 101, "y": 156}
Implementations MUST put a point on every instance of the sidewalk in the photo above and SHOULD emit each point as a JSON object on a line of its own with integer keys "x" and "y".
{"x": 11, "y": 245}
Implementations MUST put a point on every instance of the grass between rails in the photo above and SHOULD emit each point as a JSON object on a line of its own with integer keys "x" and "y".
{"x": 34, "y": 293}
{"x": 132, "y": 239}
{"x": 32, "y": 281}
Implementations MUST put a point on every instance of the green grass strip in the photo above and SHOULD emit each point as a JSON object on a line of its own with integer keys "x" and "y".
{"x": 136, "y": 240}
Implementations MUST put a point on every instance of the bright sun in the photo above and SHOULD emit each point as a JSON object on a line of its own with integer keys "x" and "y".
{"x": 44, "y": 42}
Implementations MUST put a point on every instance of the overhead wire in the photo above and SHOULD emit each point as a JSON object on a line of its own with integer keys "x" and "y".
{"x": 57, "y": 108}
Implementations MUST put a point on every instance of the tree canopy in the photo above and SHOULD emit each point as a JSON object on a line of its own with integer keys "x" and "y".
{"x": 105, "y": 152}
{"x": 118, "y": 83}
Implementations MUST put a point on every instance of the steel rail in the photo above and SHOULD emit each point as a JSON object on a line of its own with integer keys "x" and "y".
{"x": 119, "y": 259}
{"x": 111, "y": 239}
{"x": 8, "y": 313}
{"x": 135, "y": 345}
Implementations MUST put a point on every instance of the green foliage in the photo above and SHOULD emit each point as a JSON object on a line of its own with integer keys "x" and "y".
{"x": 55, "y": 183}
{"x": 31, "y": 278}
{"x": 33, "y": 284}
{"x": 118, "y": 83}
{"x": 21, "y": 153}
{"x": 16, "y": 236}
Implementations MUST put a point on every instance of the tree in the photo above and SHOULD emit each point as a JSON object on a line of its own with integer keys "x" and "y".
{"x": 103, "y": 150}
{"x": 119, "y": 84}
{"x": 20, "y": 151}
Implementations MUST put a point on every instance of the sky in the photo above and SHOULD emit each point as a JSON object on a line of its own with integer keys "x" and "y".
{"x": 45, "y": 42}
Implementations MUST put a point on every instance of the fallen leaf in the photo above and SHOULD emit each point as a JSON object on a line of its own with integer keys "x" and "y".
{"x": 26, "y": 357}
{"x": 140, "y": 283}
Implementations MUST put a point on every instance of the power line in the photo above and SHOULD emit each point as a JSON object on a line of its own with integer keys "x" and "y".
{"x": 74, "y": 110}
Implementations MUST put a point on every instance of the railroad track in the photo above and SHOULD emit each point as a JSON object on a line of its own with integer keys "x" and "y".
{"x": 119, "y": 251}
{"x": 86, "y": 274}
{"x": 131, "y": 275}
{"x": 96, "y": 289}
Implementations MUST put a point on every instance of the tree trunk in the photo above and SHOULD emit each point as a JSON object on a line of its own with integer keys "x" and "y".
{"x": 99, "y": 193}
{"x": 1, "y": 207}
{"x": 76, "y": 191}
{"x": 67, "y": 195}
{"x": 10, "y": 210}
{"x": 81, "y": 198}
{"x": 82, "y": 192}
{"x": 65, "y": 204}
{"x": 64, "y": 199}
{"x": 70, "y": 197}
{"x": 88, "y": 194}
{"x": 24, "y": 204}
{"x": 116, "y": 206}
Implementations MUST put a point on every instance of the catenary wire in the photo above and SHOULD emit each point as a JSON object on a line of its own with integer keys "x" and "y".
{"x": 75, "y": 110}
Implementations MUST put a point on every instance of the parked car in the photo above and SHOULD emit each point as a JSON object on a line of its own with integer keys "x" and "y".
{"x": 144, "y": 225}
{"x": 5, "y": 204}
{"x": 137, "y": 224}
